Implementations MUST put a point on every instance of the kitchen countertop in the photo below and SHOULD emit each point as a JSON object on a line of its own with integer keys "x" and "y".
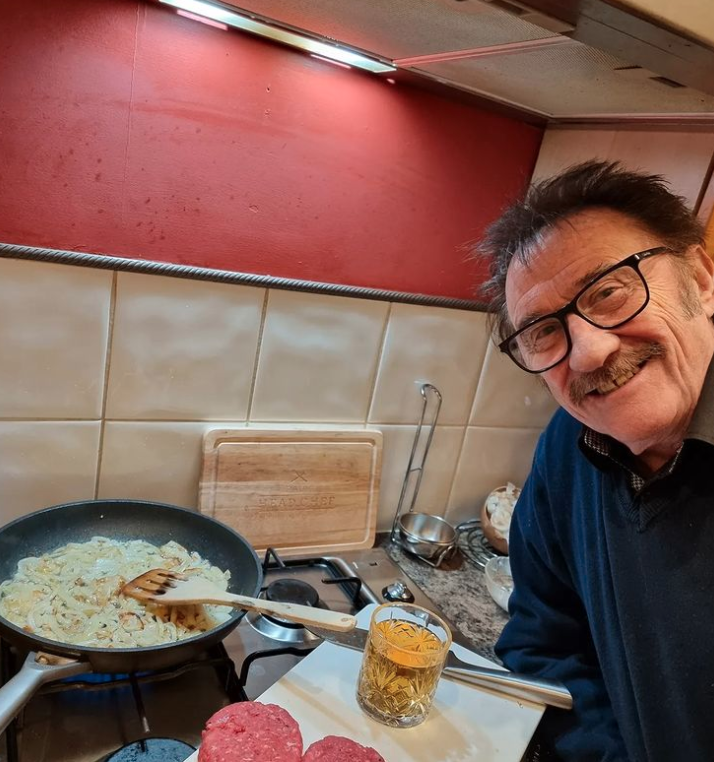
{"x": 458, "y": 588}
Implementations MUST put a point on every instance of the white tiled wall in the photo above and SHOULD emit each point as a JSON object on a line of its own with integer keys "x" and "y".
{"x": 110, "y": 381}
{"x": 185, "y": 350}
{"x": 681, "y": 155}
{"x": 318, "y": 357}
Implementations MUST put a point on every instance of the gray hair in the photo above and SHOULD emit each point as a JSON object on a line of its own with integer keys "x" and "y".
{"x": 593, "y": 184}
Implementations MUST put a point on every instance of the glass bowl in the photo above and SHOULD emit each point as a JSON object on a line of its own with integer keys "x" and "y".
{"x": 499, "y": 580}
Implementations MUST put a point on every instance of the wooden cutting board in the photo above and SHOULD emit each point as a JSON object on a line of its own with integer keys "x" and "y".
{"x": 299, "y": 491}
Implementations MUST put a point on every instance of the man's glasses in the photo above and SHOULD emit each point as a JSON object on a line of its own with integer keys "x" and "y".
{"x": 610, "y": 300}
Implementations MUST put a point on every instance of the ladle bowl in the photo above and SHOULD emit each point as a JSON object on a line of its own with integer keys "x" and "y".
{"x": 429, "y": 537}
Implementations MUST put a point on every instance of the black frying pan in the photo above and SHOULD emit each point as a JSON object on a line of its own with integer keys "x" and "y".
{"x": 156, "y": 523}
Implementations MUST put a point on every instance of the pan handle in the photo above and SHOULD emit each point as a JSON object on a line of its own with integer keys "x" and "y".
{"x": 18, "y": 691}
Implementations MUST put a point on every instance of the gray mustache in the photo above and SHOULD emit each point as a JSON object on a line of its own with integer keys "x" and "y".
{"x": 622, "y": 363}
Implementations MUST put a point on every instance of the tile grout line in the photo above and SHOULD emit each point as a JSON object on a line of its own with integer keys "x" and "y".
{"x": 271, "y": 422}
{"x": 393, "y": 424}
{"x": 378, "y": 365}
{"x": 456, "y": 469}
{"x": 107, "y": 365}
{"x": 258, "y": 351}
{"x": 464, "y": 434}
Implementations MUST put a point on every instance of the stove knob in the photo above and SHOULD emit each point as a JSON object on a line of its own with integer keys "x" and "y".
{"x": 398, "y": 591}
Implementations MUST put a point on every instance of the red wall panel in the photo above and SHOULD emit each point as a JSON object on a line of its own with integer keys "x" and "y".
{"x": 130, "y": 131}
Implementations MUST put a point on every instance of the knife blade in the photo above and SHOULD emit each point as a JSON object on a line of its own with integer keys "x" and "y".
{"x": 539, "y": 690}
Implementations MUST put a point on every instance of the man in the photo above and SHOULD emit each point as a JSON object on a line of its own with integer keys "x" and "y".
{"x": 602, "y": 286}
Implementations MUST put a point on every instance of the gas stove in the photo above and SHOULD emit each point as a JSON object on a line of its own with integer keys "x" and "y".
{"x": 158, "y": 717}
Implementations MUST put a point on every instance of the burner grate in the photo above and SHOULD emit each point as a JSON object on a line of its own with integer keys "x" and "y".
{"x": 474, "y": 545}
{"x": 216, "y": 657}
{"x": 326, "y": 581}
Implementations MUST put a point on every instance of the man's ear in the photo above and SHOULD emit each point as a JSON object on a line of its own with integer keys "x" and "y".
{"x": 704, "y": 274}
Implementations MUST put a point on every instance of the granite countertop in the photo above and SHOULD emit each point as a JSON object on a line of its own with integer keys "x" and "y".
{"x": 458, "y": 588}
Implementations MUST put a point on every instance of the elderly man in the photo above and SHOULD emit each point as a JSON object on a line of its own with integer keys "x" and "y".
{"x": 601, "y": 285}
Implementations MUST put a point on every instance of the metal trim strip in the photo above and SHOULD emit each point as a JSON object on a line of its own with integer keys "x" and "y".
{"x": 150, "y": 267}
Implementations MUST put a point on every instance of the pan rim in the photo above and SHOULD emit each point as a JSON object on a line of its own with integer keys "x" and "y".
{"x": 60, "y": 648}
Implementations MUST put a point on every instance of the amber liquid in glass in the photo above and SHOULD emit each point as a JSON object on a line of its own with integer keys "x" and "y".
{"x": 400, "y": 672}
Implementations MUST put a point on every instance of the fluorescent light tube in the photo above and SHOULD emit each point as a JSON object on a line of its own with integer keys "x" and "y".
{"x": 234, "y": 19}
{"x": 202, "y": 19}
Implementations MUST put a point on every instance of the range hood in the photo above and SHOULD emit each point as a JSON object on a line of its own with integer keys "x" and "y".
{"x": 554, "y": 60}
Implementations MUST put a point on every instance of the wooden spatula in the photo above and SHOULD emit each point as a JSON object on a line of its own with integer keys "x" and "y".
{"x": 174, "y": 589}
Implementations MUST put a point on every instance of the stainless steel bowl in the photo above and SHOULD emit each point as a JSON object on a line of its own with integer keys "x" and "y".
{"x": 429, "y": 537}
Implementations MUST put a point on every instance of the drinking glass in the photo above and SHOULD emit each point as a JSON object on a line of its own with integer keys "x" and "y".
{"x": 405, "y": 653}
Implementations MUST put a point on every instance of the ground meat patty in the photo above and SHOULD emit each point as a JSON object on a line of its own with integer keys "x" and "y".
{"x": 251, "y": 732}
{"x": 339, "y": 749}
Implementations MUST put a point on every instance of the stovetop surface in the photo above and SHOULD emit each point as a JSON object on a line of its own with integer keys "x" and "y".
{"x": 89, "y": 725}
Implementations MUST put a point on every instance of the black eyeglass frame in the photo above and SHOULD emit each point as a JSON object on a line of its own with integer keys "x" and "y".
{"x": 571, "y": 308}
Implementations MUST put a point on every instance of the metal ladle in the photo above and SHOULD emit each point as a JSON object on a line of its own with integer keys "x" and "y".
{"x": 431, "y": 538}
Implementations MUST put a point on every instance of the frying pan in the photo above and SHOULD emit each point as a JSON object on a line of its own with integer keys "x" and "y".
{"x": 157, "y": 523}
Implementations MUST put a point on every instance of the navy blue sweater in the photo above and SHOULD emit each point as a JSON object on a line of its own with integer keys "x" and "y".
{"x": 613, "y": 596}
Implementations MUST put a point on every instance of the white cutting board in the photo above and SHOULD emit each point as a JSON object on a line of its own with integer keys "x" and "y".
{"x": 465, "y": 725}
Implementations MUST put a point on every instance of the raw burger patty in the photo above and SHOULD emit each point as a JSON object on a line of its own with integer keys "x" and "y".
{"x": 251, "y": 732}
{"x": 339, "y": 749}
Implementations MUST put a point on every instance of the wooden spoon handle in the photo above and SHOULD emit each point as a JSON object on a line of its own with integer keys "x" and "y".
{"x": 330, "y": 620}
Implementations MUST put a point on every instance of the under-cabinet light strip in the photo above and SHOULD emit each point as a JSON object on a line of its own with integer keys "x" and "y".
{"x": 238, "y": 21}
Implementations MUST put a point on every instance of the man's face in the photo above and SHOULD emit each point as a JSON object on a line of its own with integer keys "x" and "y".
{"x": 638, "y": 383}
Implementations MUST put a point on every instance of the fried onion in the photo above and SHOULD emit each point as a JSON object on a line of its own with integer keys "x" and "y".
{"x": 72, "y": 595}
